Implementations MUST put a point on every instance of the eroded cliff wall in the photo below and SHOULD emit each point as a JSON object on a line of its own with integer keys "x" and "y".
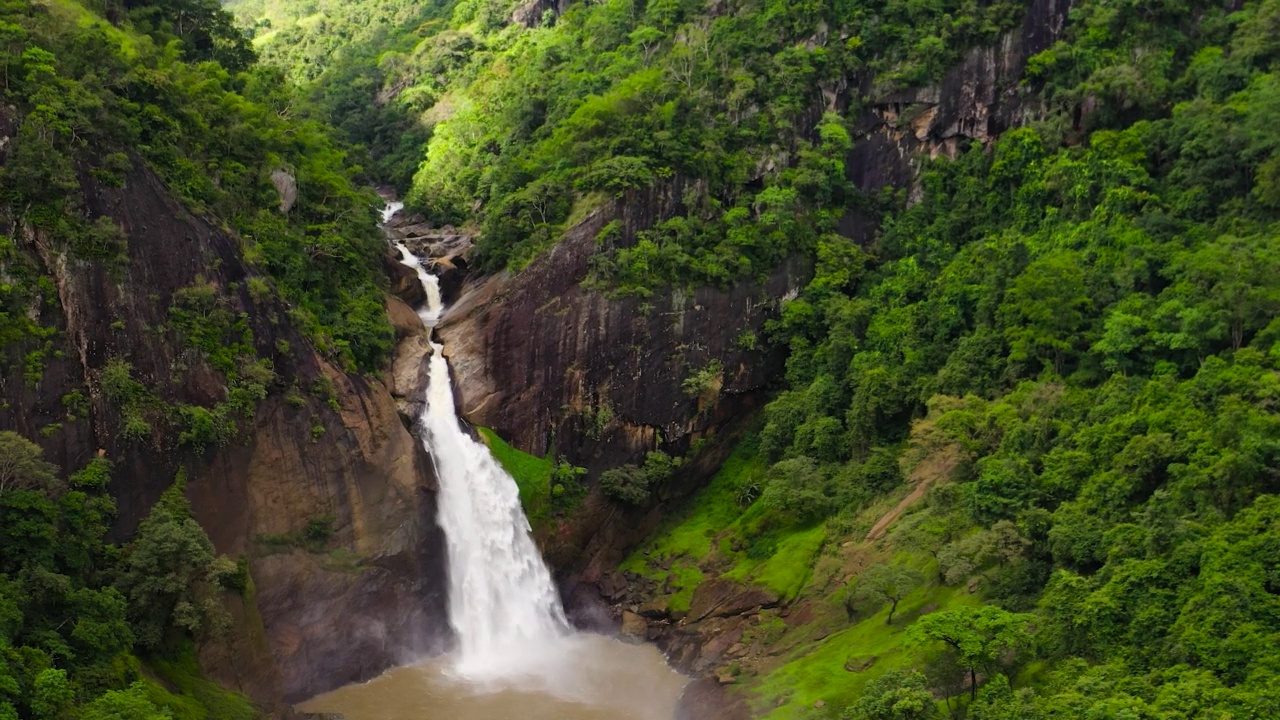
{"x": 557, "y": 366}
{"x": 323, "y": 447}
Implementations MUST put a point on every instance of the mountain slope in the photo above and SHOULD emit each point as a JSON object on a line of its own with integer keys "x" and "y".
{"x": 1045, "y": 286}
{"x": 190, "y": 299}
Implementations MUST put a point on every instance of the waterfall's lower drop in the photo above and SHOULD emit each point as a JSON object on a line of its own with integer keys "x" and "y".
{"x": 516, "y": 655}
{"x": 502, "y": 603}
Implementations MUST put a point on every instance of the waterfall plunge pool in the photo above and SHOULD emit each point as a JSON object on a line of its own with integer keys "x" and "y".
{"x": 577, "y": 677}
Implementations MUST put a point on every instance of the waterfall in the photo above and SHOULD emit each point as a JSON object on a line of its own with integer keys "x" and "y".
{"x": 502, "y": 602}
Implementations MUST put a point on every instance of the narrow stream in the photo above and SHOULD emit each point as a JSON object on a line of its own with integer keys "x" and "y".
{"x": 517, "y": 657}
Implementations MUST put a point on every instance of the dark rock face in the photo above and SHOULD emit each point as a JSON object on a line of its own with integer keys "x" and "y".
{"x": 706, "y": 699}
{"x": 531, "y": 12}
{"x": 976, "y": 100}
{"x": 378, "y": 598}
{"x": 553, "y": 366}
{"x": 405, "y": 284}
{"x": 317, "y": 620}
{"x": 725, "y": 598}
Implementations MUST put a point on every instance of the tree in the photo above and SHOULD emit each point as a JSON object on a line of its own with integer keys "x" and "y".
{"x": 797, "y": 491}
{"x": 22, "y": 466}
{"x": 129, "y": 704}
{"x": 632, "y": 484}
{"x": 885, "y": 583}
{"x": 1235, "y": 280}
{"x": 53, "y": 695}
{"x": 1045, "y": 310}
{"x": 981, "y": 636}
{"x": 171, "y": 573}
{"x": 895, "y": 695}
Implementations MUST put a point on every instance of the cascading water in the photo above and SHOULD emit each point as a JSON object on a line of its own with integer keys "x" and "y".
{"x": 516, "y": 655}
{"x": 503, "y": 605}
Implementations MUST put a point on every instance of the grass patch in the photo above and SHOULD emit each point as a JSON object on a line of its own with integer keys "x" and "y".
{"x": 684, "y": 580}
{"x": 531, "y": 473}
{"x": 197, "y": 698}
{"x": 817, "y": 670}
{"x": 691, "y": 538}
{"x": 786, "y": 571}
{"x": 714, "y": 510}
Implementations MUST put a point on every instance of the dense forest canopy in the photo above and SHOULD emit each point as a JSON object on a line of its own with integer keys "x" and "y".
{"x": 1082, "y": 317}
{"x": 176, "y": 84}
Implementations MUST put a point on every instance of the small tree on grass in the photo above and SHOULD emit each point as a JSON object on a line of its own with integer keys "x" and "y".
{"x": 981, "y": 636}
{"x": 881, "y": 583}
{"x": 895, "y": 695}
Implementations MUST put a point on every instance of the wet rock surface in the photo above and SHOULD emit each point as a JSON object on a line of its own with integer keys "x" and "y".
{"x": 443, "y": 250}
{"x": 707, "y": 699}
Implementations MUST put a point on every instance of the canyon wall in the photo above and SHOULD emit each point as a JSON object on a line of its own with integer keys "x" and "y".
{"x": 324, "y": 447}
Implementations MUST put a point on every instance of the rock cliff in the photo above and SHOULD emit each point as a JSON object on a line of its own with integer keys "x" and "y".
{"x": 324, "y": 448}
{"x": 555, "y": 366}
{"x": 976, "y": 100}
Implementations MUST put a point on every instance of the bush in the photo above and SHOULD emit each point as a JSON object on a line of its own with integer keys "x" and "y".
{"x": 203, "y": 428}
{"x": 797, "y": 491}
{"x": 319, "y": 530}
{"x": 632, "y": 484}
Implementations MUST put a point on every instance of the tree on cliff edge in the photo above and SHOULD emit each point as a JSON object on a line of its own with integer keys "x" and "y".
{"x": 21, "y": 464}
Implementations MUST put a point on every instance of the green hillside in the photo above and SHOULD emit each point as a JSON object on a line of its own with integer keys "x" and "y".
{"x": 1066, "y": 340}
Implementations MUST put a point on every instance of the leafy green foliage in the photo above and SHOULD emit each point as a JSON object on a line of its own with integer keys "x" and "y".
{"x": 982, "y": 637}
{"x": 895, "y": 695}
{"x": 633, "y": 484}
{"x": 882, "y": 583}
{"x": 549, "y": 487}
{"x": 520, "y": 126}
{"x": 22, "y": 466}
{"x": 92, "y": 98}
{"x": 68, "y": 618}
{"x": 171, "y": 574}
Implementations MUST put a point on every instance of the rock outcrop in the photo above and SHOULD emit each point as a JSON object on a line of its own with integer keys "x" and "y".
{"x": 976, "y": 100}
{"x": 443, "y": 250}
{"x": 530, "y": 13}
{"x": 556, "y": 367}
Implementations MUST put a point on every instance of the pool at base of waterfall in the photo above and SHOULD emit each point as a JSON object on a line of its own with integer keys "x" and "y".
{"x": 578, "y": 677}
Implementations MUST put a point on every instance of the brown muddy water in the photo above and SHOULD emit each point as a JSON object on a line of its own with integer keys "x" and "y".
{"x": 580, "y": 677}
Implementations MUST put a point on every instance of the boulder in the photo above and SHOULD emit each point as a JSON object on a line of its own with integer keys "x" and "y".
{"x": 404, "y": 281}
{"x": 405, "y": 321}
{"x": 654, "y": 609}
{"x": 707, "y": 699}
{"x": 634, "y": 627}
{"x": 723, "y": 598}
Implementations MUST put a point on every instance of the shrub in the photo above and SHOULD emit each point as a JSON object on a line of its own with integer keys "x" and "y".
{"x": 632, "y": 484}
{"x": 797, "y": 491}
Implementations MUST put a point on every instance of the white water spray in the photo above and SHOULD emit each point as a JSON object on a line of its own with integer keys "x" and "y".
{"x": 502, "y": 602}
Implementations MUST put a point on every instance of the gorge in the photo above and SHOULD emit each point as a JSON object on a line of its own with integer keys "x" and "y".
{"x": 856, "y": 359}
